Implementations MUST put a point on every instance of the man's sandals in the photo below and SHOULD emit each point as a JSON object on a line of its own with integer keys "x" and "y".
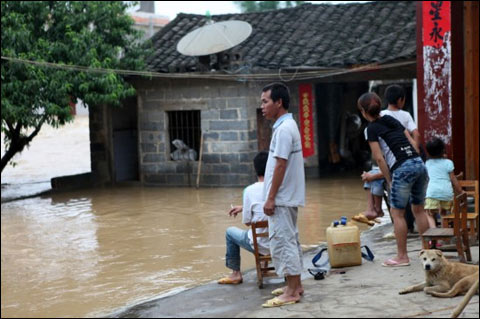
{"x": 276, "y": 302}
{"x": 229, "y": 281}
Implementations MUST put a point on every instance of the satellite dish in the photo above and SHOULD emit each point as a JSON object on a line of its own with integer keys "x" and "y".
{"x": 214, "y": 37}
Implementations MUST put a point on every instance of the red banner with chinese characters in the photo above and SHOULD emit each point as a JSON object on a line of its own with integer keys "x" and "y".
{"x": 436, "y": 22}
{"x": 306, "y": 119}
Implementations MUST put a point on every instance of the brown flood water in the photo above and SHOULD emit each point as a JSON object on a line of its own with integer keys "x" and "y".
{"x": 87, "y": 253}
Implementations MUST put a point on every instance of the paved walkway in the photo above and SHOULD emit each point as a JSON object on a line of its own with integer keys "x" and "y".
{"x": 369, "y": 290}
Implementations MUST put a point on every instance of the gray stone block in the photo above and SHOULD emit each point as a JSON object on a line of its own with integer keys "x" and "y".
{"x": 228, "y": 136}
{"x": 229, "y": 114}
{"x": 241, "y": 168}
{"x": 212, "y": 180}
{"x": 211, "y": 158}
{"x": 211, "y": 114}
{"x": 185, "y": 168}
{"x": 221, "y": 168}
{"x": 230, "y": 158}
{"x": 211, "y": 136}
{"x": 151, "y": 126}
{"x": 155, "y": 179}
{"x": 237, "y": 103}
{"x": 148, "y": 147}
{"x": 217, "y": 103}
{"x": 177, "y": 180}
{"x": 247, "y": 157}
{"x": 153, "y": 158}
{"x": 228, "y": 125}
{"x": 149, "y": 169}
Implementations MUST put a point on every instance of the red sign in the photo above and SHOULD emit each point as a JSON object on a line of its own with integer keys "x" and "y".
{"x": 306, "y": 119}
{"x": 436, "y": 22}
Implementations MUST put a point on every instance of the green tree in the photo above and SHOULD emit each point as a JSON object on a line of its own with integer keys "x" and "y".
{"x": 91, "y": 34}
{"x": 254, "y": 6}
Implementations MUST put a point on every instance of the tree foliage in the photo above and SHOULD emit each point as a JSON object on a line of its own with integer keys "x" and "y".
{"x": 92, "y": 34}
{"x": 254, "y": 6}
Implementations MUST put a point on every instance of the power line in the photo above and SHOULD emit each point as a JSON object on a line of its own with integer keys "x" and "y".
{"x": 298, "y": 75}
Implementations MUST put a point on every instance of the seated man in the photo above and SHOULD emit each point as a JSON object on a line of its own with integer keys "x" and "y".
{"x": 252, "y": 212}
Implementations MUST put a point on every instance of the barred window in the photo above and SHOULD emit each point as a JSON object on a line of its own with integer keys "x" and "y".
{"x": 185, "y": 126}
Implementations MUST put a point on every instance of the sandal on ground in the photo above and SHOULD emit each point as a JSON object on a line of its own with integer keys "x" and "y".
{"x": 229, "y": 281}
{"x": 393, "y": 263}
{"x": 276, "y": 302}
{"x": 363, "y": 219}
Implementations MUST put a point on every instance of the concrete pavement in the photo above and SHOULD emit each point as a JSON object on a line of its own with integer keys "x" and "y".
{"x": 369, "y": 290}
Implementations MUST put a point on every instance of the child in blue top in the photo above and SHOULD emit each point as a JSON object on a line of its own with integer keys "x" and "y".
{"x": 439, "y": 198}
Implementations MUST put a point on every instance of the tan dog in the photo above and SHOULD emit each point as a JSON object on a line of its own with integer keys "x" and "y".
{"x": 443, "y": 278}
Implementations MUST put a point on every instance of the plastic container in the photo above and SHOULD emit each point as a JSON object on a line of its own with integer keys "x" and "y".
{"x": 344, "y": 245}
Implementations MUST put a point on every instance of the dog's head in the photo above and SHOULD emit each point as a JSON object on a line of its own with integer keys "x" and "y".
{"x": 432, "y": 259}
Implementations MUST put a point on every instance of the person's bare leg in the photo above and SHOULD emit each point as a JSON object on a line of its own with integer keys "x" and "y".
{"x": 299, "y": 290}
{"x": 377, "y": 203}
{"x": 235, "y": 275}
{"x": 420, "y": 218}
{"x": 400, "y": 228}
{"x": 291, "y": 291}
{"x": 431, "y": 220}
{"x": 370, "y": 213}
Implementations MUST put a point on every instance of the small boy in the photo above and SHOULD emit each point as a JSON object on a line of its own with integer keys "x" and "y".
{"x": 252, "y": 212}
{"x": 373, "y": 184}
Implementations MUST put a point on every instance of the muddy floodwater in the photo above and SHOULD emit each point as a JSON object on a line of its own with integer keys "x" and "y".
{"x": 90, "y": 252}
{"x": 87, "y": 253}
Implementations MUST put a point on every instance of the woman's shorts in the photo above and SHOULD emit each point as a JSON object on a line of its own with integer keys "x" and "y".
{"x": 409, "y": 180}
{"x": 431, "y": 203}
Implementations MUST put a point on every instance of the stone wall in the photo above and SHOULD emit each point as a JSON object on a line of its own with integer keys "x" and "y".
{"x": 228, "y": 122}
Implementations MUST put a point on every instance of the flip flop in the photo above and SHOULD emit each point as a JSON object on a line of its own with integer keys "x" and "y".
{"x": 363, "y": 219}
{"x": 277, "y": 292}
{"x": 275, "y": 302}
{"x": 229, "y": 281}
{"x": 393, "y": 263}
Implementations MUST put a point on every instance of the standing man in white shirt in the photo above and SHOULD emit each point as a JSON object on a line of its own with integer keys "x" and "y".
{"x": 284, "y": 191}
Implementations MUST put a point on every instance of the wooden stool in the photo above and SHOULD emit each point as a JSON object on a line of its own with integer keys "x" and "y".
{"x": 263, "y": 269}
{"x": 471, "y": 189}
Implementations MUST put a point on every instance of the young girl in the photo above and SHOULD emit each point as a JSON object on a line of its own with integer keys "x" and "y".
{"x": 439, "y": 197}
{"x": 405, "y": 174}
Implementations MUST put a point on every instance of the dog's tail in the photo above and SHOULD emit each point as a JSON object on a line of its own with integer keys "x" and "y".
{"x": 465, "y": 300}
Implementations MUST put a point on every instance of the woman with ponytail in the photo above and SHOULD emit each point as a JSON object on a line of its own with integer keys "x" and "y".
{"x": 403, "y": 169}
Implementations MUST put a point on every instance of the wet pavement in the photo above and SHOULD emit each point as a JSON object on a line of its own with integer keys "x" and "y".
{"x": 369, "y": 290}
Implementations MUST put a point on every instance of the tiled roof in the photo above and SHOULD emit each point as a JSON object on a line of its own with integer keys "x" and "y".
{"x": 310, "y": 35}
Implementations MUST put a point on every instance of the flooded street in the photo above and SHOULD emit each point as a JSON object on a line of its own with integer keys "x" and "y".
{"x": 87, "y": 253}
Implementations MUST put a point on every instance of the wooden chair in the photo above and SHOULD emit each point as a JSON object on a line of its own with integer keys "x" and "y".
{"x": 459, "y": 230}
{"x": 471, "y": 188}
{"x": 263, "y": 269}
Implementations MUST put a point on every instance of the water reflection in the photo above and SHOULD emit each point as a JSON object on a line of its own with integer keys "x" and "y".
{"x": 85, "y": 253}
